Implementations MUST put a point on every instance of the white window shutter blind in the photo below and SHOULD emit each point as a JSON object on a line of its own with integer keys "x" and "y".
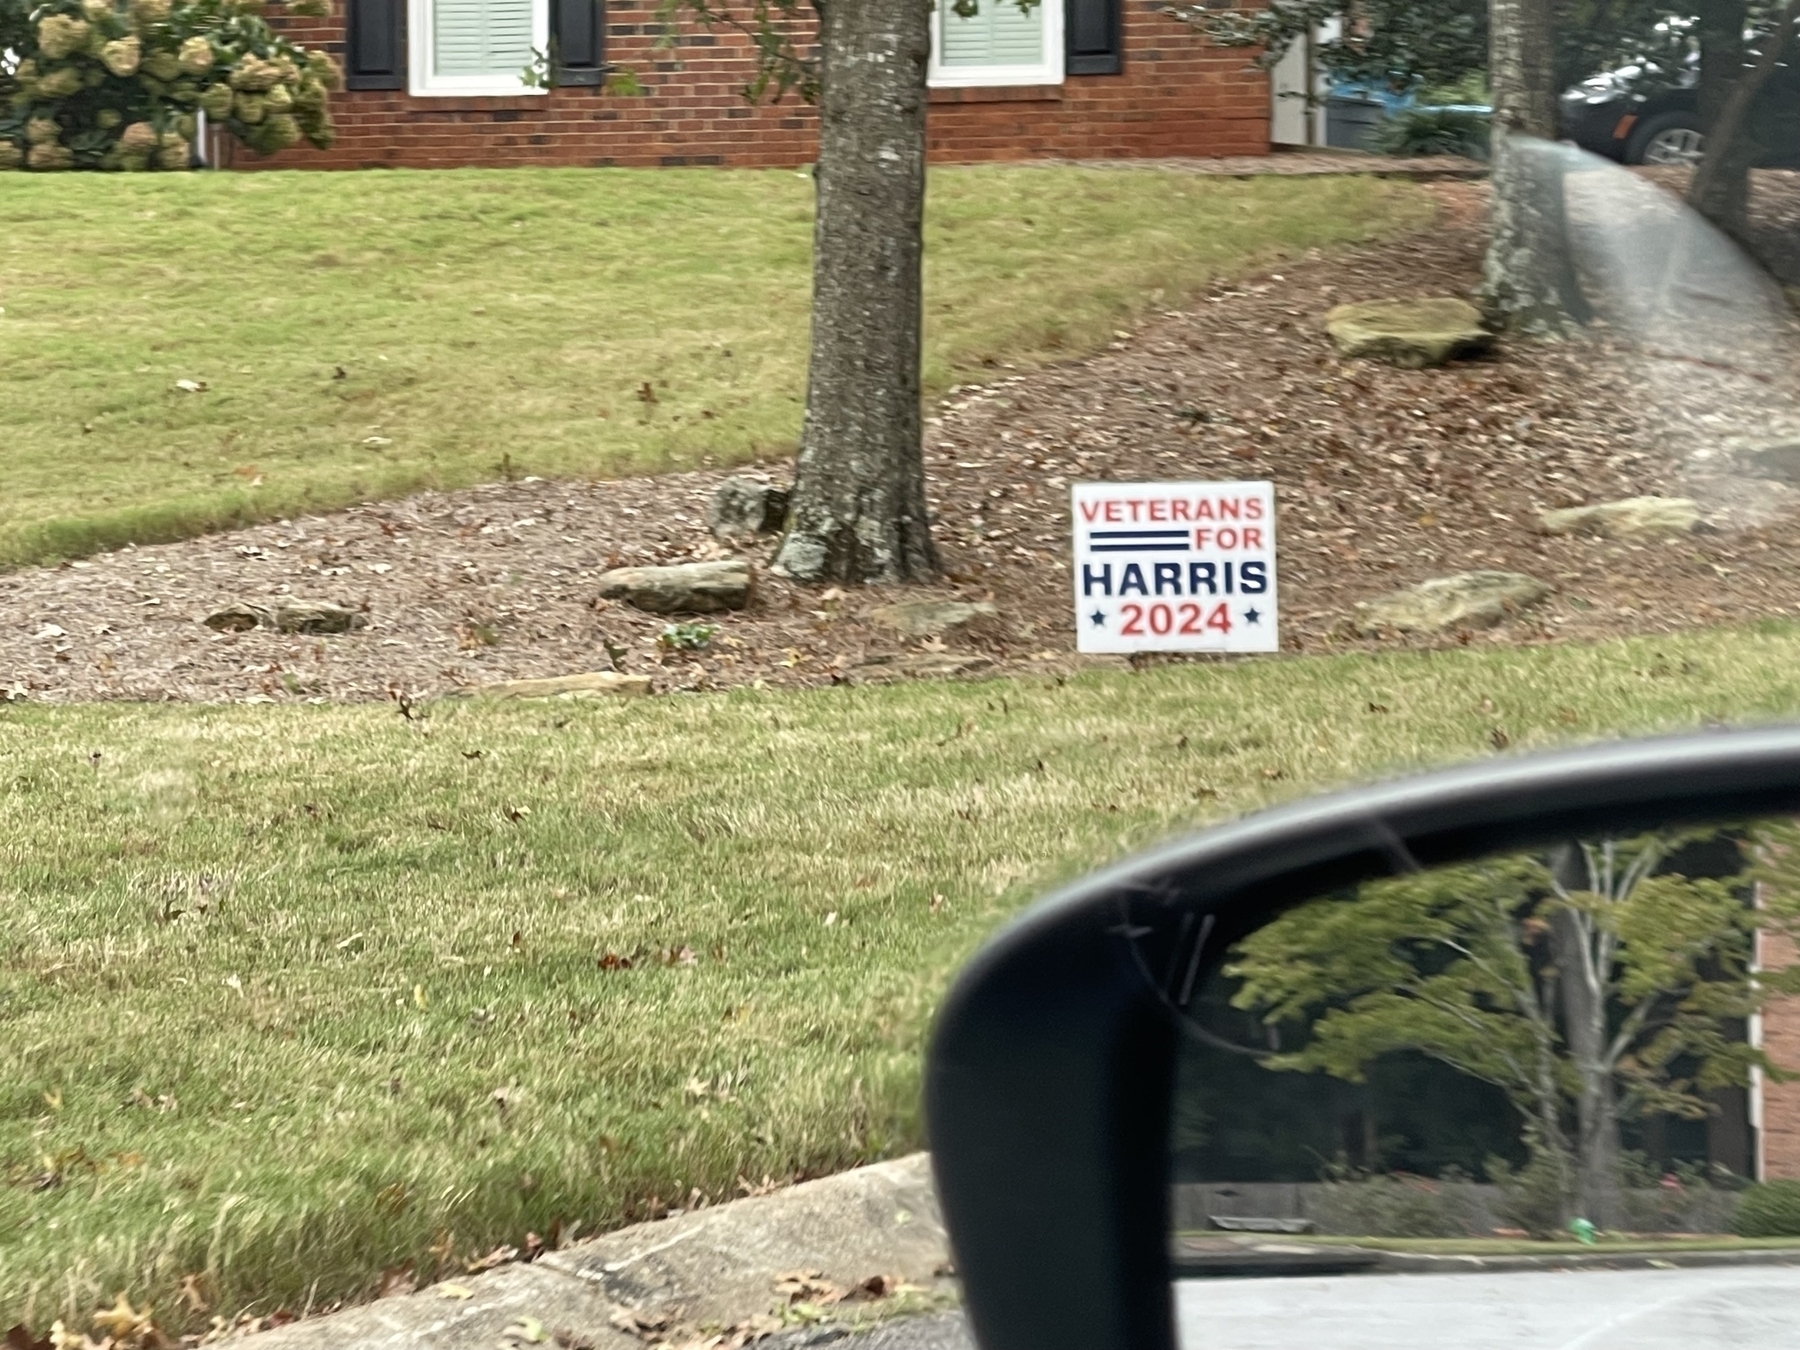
{"x": 481, "y": 37}
{"x": 999, "y": 35}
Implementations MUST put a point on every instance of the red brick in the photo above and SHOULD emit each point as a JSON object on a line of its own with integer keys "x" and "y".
{"x": 1177, "y": 96}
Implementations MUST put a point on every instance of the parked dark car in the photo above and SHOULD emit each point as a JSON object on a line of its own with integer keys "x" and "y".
{"x": 1642, "y": 114}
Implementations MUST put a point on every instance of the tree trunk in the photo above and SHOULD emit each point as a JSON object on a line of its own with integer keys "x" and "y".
{"x": 1721, "y": 187}
{"x": 1583, "y": 960}
{"x": 858, "y": 505}
{"x": 1546, "y": 1137}
{"x": 1528, "y": 283}
{"x": 1721, "y": 35}
{"x": 1596, "y": 1104}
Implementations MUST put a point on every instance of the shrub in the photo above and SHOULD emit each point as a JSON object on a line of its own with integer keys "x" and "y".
{"x": 1531, "y": 1197}
{"x": 95, "y": 84}
{"x": 1388, "y": 1206}
{"x": 1769, "y": 1209}
{"x": 1434, "y": 131}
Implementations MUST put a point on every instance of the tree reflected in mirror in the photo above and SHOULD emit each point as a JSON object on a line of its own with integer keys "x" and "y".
{"x": 1588, "y": 1050}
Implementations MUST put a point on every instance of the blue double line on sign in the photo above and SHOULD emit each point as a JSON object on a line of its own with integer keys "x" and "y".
{"x": 1138, "y": 541}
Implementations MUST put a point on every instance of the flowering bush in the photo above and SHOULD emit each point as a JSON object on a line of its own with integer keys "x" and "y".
{"x": 99, "y": 84}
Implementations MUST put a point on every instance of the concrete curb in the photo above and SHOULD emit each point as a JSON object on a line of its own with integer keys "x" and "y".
{"x": 714, "y": 1267}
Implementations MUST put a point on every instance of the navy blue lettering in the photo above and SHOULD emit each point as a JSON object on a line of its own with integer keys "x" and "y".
{"x": 1202, "y": 574}
{"x": 1132, "y": 582}
{"x": 1256, "y": 578}
{"x": 1228, "y": 567}
{"x": 1168, "y": 575}
{"x": 1090, "y": 578}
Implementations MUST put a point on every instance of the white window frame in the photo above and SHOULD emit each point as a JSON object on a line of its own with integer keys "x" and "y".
{"x": 1047, "y": 71}
{"x": 421, "y": 59}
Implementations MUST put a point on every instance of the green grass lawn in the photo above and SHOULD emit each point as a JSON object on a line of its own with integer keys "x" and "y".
{"x": 290, "y": 995}
{"x": 365, "y": 335}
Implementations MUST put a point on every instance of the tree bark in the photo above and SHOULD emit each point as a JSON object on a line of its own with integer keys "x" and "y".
{"x": 858, "y": 506}
{"x": 1584, "y": 998}
{"x": 1721, "y": 187}
{"x": 1721, "y": 34}
{"x": 1529, "y": 283}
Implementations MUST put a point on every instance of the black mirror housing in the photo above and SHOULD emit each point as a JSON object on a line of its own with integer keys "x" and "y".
{"x": 1050, "y": 1072}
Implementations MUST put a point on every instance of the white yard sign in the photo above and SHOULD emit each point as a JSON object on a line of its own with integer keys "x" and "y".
{"x": 1175, "y": 567}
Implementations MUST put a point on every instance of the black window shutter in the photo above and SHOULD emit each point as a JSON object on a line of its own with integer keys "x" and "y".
{"x": 1096, "y": 42}
{"x": 375, "y": 44}
{"x": 580, "y": 37}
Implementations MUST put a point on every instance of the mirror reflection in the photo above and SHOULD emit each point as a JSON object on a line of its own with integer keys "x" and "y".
{"x": 1547, "y": 1097}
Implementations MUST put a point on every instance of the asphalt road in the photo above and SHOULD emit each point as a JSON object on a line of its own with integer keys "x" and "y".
{"x": 1754, "y": 1308}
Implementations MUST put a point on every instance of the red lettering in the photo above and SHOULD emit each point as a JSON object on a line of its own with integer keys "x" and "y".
{"x": 1228, "y": 510}
{"x": 1113, "y": 514}
{"x": 1253, "y": 508}
{"x": 1161, "y": 620}
{"x": 1252, "y": 537}
{"x": 1134, "y": 620}
{"x": 1159, "y": 511}
{"x": 1228, "y": 538}
{"x": 1178, "y": 509}
{"x": 1203, "y": 509}
{"x": 1201, "y": 535}
{"x": 1220, "y": 618}
{"x": 1090, "y": 511}
{"x": 1190, "y": 618}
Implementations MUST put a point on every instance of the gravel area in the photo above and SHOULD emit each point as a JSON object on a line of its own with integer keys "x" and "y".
{"x": 1384, "y": 477}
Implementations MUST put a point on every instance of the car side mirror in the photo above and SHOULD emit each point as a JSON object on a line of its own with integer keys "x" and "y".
{"x": 1089, "y": 1153}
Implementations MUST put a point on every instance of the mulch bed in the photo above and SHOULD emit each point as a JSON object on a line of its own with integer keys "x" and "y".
{"x": 1384, "y": 478}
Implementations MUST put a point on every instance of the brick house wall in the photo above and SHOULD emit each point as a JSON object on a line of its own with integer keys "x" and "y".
{"x": 1779, "y": 1138}
{"x": 1176, "y": 95}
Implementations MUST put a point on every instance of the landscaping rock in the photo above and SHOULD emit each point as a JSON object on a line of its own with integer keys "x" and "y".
{"x": 1409, "y": 333}
{"x": 1466, "y": 600}
{"x": 288, "y": 617}
{"x": 1630, "y": 518}
{"x": 593, "y": 685}
{"x": 921, "y": 666}
{"x": 1779, "y": 460}
{"x": 687, "y": 588}
{"x": 742, "y": 508}
{"x": 928, "y": 618}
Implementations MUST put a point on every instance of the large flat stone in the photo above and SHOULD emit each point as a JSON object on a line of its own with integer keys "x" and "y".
{"x": 928, "y": 618}
{"x": 887, "y": 669}
{"x": 1466, "y": 600}
{"x": 1629, "y": 518}
{"x": 295, "y": 616}
{"x": 685, "y": 588}
{"x": 1778, "y": 460}
{"x": 594, "y": 684}
{"x": 743, "y": 508}
{"x": 1409, "y": 333}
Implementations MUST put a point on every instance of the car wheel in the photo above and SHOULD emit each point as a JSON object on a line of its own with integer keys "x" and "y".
{"x": 1671, "y": 139}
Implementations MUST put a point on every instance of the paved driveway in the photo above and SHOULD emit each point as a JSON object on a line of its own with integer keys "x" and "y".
{"x": 1755, "y": 1308}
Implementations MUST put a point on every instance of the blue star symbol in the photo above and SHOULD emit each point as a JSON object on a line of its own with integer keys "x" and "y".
{"x": 1098, "y": 618}
{"x": 1251, "y": 616}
